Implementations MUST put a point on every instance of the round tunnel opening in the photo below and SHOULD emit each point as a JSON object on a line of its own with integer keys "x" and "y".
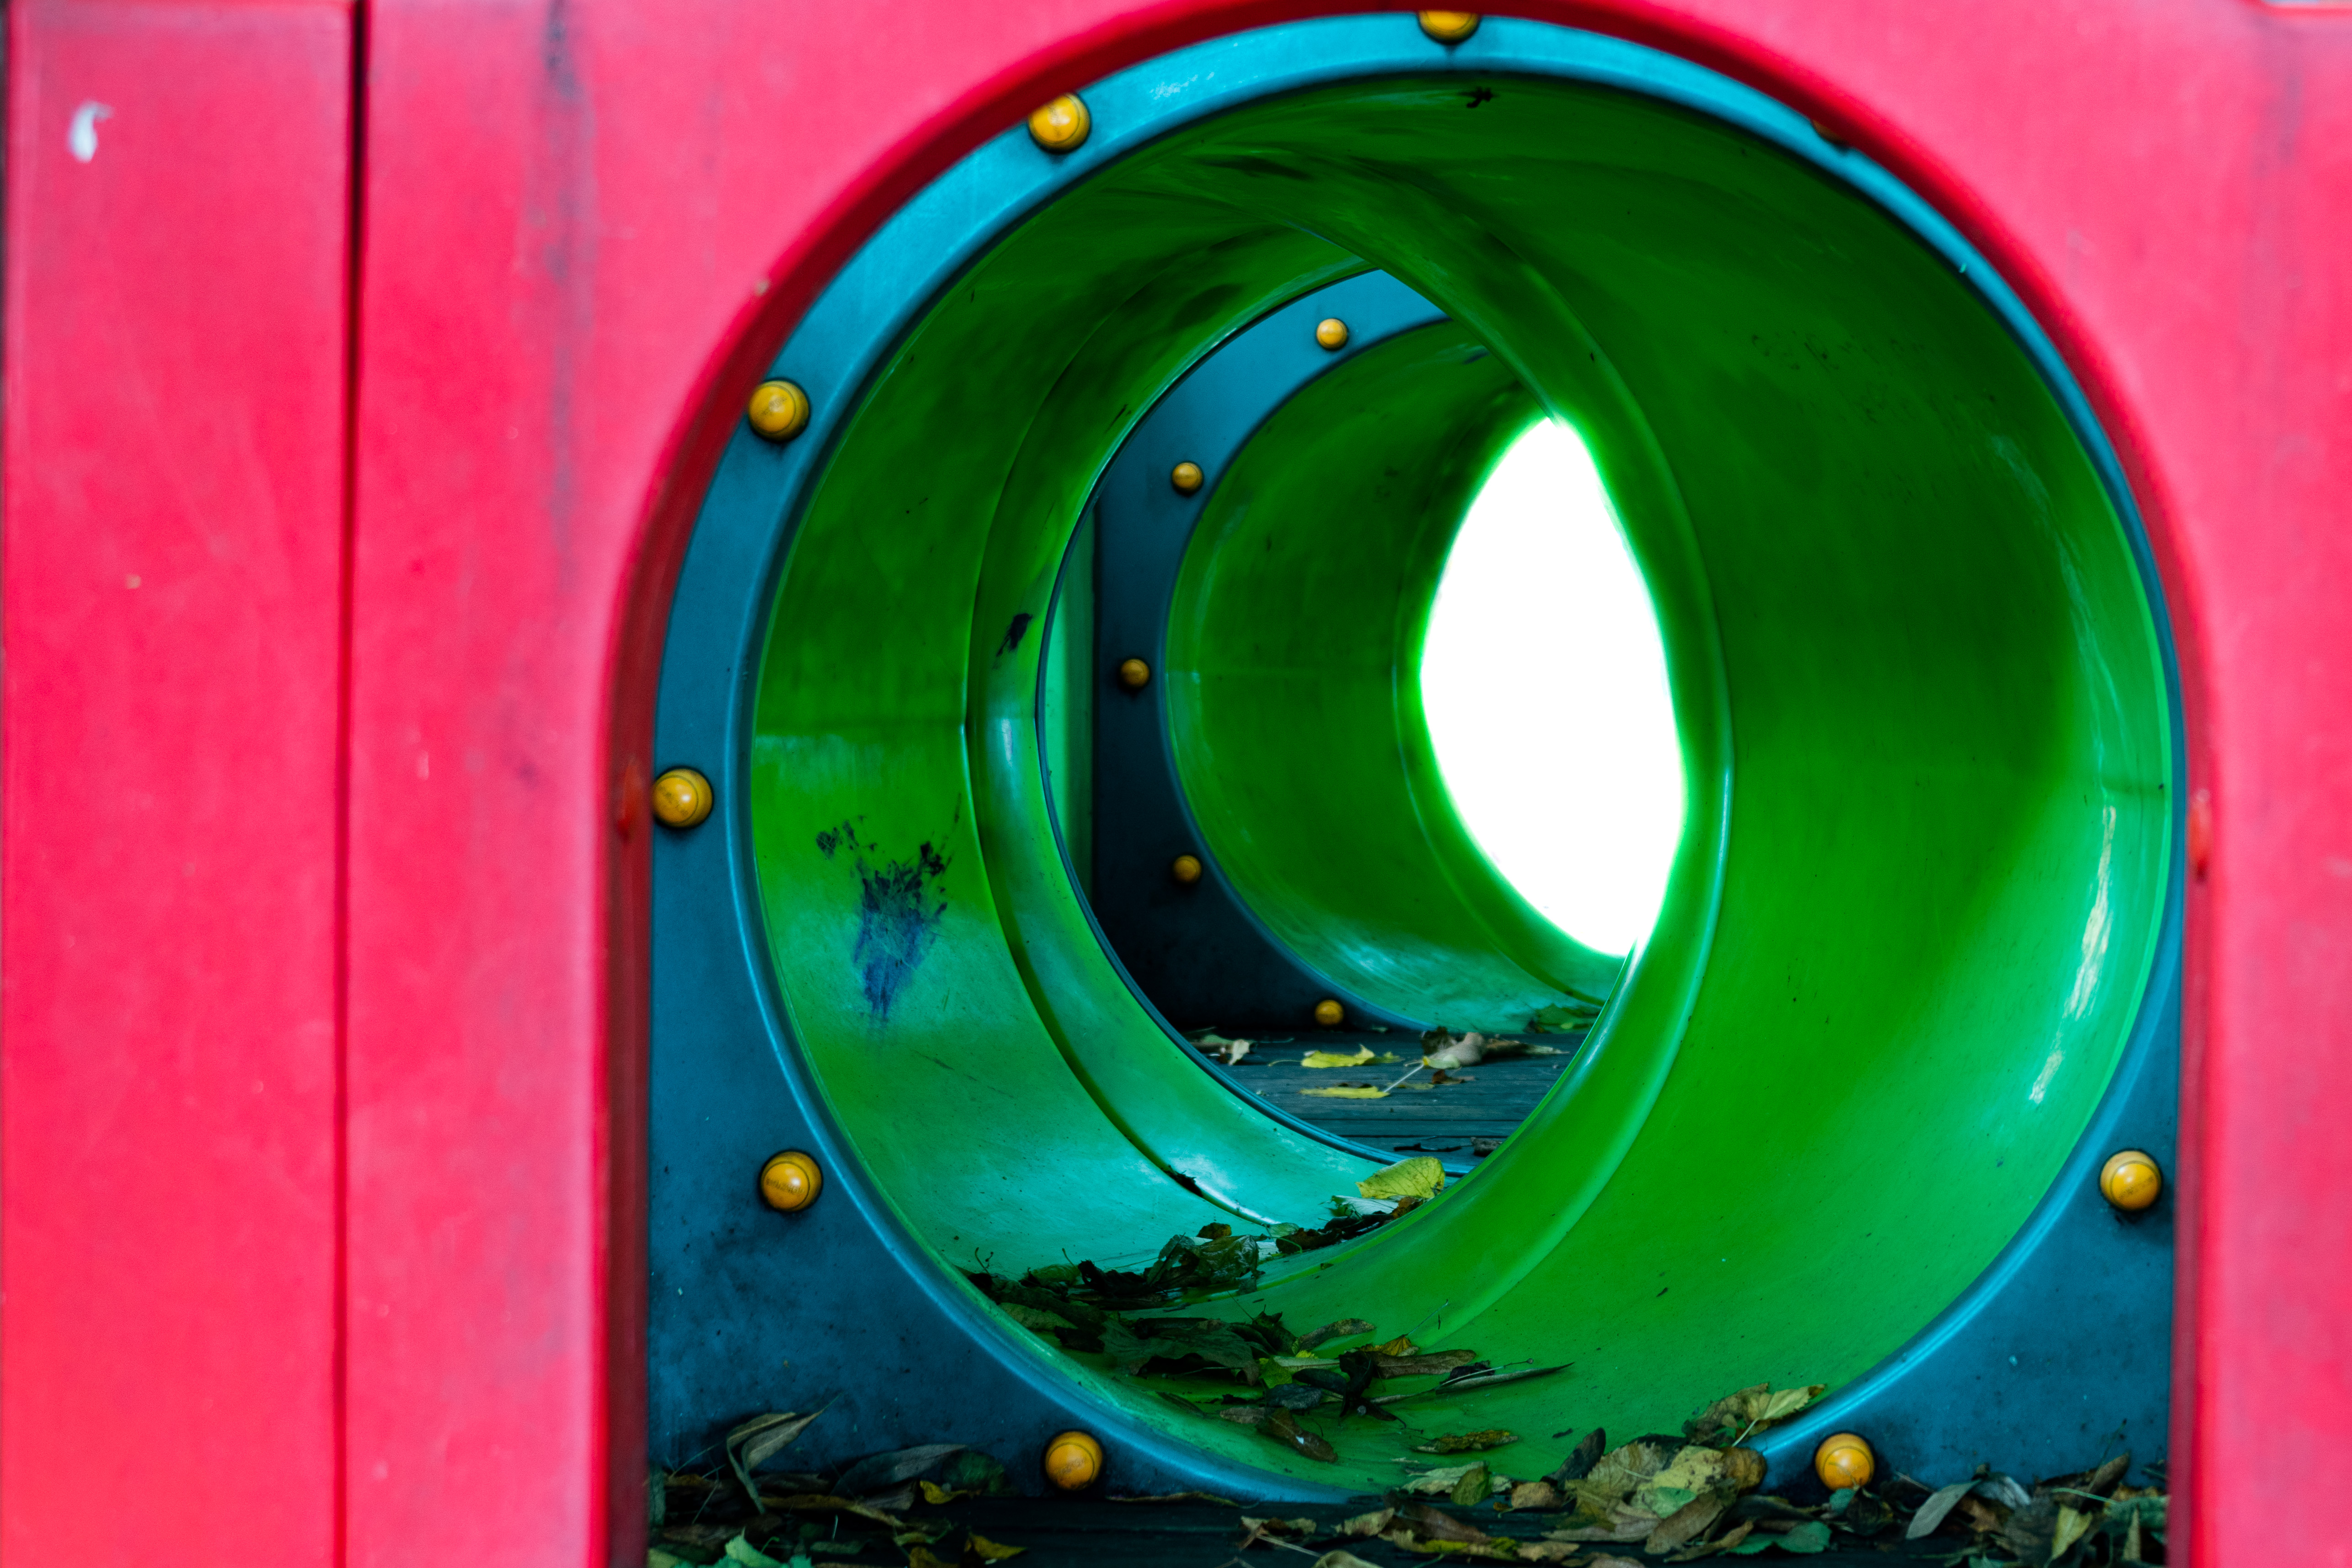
{"x": 1543, "y": 685}
{"x": 1918, "y": 681}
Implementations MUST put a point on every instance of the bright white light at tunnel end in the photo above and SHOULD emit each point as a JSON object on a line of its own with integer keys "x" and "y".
{"x": 1545, "y": 688}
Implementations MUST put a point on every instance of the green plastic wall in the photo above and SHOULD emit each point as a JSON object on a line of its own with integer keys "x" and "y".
{"x": 1915, "y": 672}
{"x": 1294, "y": 690}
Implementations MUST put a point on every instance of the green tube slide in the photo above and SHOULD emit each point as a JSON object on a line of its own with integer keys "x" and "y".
{"x": 1293, "y": 661}
{"x": 1918, "y": 680}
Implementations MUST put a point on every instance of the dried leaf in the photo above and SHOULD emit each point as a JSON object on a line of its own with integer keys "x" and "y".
{"x": 2006, "y": 1490}
{"x": 2074, "y": 1523}
{"x": 880, "y": 1472}
{"x": 1133, "y": 1344}
{"x": 1340, "y": 1559}
{"x": 2031, "y": 1529}
{"x": 1691, "y": 1519}
{"x": 1540, "y": 1497}
{"x": 1735, "y": 1417}
{"x": 1228, "y": 1052}
{"x": 1582, "y": 1458}
{"x": 1623, "y": 1524}
{"x": 1467, "y": 1051}
{"x": 1438, "y": 1525}
{"x": 977, "y": 1473}
{"x": 1432, "y": 1364}
{"x": 741, "y": 1550}
{"x": 1036, "y": 1318}
{"x": 1357, "y": 1526}
{"x": 826, "y": 1502}
{"x": 1284, "y": 1429}
{"x": 1488, "y": 1377}
{"x": 1349, "y": 1091}
{"x": 2104, "y": 1478}
{"x": 2146, "y": 1508}
{"x": 1744, "y": 1469}
{"x": 1805, "y": 1540}
{"x": 1474, "y": 1487}
{"x": 1622, "y": 1468}
{"x": 1259, "y": 1530}
{"x": 1421, "y": 1176}
{"x": 1467, "y": 1442}
{"x": 1933, "y": 1511}
{"x": 1442, "y": 1481}
{"x": 1983, "y": 1518}
{"x": 924, "y": 1557}
{"x": 1694, "y": 1468}
{"x": 1297, "y": 1396}
{"x": 1729, "y": 1539}
{"x": 938, "y": 1496}
{"x": 1546, "y": 1551}
{"x": 1345, "y": 1328}
{"x": 754, "y": 1442}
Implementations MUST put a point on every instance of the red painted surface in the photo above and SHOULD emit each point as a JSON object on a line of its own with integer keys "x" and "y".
{"x": 586, "y": 224}
{"x": 176, "y": 313}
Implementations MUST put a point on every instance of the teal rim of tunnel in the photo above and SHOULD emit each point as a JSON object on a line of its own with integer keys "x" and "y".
{"x": 894, "y": 279}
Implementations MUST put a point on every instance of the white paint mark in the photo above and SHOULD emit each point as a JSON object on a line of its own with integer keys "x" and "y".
{"x": 132, "y": 581}
{"x": 2057, "y": 1059}
{"x": 424, "y": 765}
{"x": 2097, "y": 930}
{"x": 81, "y": 136}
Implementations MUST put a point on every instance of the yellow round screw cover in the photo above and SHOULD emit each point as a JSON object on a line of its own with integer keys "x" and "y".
{"x": 790, "y": 1181}
{"x": 1063, "y": 125}
{"x": 681, "y": 797}
{"x": 2131, "y": 1180}
{"x": 1843, "y": 1460}
{"x": 1074, "y": 1461}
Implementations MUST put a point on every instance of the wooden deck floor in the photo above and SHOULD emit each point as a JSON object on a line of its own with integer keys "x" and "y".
{"x": 1460, "y": 1121}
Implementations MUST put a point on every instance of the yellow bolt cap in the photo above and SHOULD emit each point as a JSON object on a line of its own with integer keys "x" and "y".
{"x": 1331, "y": 332}
{"x": 779, "y": 410}
{"x": 790, "y": 1181}
{"x": 1185, "y": 868}
{"x": 681, "y": 797}
{"x": 1843, "y": 1460}
{"x": 1185, "y": 477}
{"x": 2131, "y": 1180}
{"x": 1329, "y": 1013}
{"x": 1074, "y": 1461}
{"x": 1449, "y": 26}
{"x": 1063, "y": 125}
{"x": 1134, "y": 674}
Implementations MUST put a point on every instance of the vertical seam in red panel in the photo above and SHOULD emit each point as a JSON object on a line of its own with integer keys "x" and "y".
{"x": 355, "y": 207}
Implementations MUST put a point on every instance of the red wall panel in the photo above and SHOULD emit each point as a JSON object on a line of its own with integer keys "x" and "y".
{"x": 588, "y": 199}
{"x": 587, "y": 222}
{"x": 176, "y": 316}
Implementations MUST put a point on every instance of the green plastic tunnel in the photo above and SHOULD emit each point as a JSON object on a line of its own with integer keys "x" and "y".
{"x": 1916, "y": 675}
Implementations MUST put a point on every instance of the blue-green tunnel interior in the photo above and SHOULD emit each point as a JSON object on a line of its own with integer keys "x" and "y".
{"x": 1917, "y": 675}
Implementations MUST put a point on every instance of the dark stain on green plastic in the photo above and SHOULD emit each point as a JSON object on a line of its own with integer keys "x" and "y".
{"x": 897, "y": 921}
